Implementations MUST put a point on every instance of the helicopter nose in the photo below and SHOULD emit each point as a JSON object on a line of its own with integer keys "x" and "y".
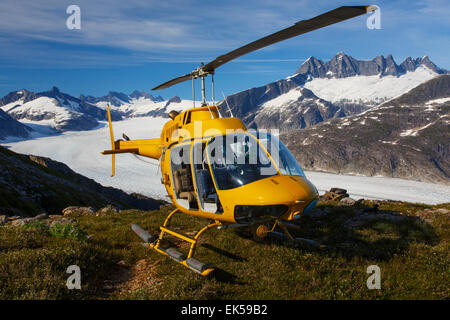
{"x": 287, "y": 195}
{"x": 281, "y": 189}
{"x": 300, "y": 188}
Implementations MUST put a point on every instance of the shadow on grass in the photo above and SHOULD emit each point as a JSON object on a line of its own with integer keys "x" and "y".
{"x": 223, "y": 252}
{"x": 225, "y": 277}
{"x": 220, "y": 274}
{"x": 359, "y": 231}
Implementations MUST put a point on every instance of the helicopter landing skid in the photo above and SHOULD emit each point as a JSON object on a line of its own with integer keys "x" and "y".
{"x": 187, "y": 261}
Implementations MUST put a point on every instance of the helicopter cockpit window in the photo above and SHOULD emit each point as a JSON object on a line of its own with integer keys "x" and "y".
{"x": 280, "y": 154}
{"x": 182, "y": 178}
{"x": 206, "y": 191}
{"x": 237, "y": 160}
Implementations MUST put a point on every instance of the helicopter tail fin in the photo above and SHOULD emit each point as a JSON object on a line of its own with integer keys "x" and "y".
{"x": 150, "y": 148}
{"x": 115, "y": 145}
{"x": 112, "y": 142}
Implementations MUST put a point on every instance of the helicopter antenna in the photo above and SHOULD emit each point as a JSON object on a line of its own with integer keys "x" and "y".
{"x": 213, "y": 96}
{"x": 212, "y": 85}
{"x": 193, "y": 93}
{"x": 229, "y": 109}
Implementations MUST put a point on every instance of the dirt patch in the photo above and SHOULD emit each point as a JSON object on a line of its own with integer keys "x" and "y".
{"x": 128, "y": 279}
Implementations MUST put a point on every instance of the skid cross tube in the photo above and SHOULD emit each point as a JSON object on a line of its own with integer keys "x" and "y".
{"x": 194, "y": 243}
{"x": 188, "y": 261}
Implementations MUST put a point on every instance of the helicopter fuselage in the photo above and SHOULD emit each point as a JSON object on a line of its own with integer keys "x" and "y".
{"x": 198, "y": 152}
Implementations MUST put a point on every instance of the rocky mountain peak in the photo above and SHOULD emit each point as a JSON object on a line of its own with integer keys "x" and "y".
{"x": 142, "y": 94}
{"x": 430, "y": 65}
{"x": 343, "y": 65}
{"x": 115, "y": 98}
{"x": 158, "y": 98}
{"x": 54, "y": 90}
{"x": 312, "y": 66}
{"x": 137, "y": 94}
{"x": 175, "y": 99}
{"x": 15, "y": 96}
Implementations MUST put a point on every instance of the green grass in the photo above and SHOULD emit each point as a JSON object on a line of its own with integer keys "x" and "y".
{"x": 412, "y": 252}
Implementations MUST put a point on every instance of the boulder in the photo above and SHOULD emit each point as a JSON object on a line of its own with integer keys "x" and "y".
{"x": 18, "y": 223}
{"x": 335, "y": 194}
{"x": 338, "y": 191}
{"x": 41, "y": 216}
{"x": 347, "y": 202}
{"x": 21, "y": 222}
{"x": 442, "y": 211}
{"x": 109, "y": 209}
{"x": 79, "y": 211}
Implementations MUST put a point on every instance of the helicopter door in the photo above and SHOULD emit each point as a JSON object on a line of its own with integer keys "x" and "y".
{"x": 207, "y": 195}
{"x": 183, "y": 185}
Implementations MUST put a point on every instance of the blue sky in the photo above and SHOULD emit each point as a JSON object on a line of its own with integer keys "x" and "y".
{"x": 138, "y": 44}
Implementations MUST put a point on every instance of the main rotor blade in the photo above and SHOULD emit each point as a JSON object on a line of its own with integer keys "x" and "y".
{"x": 301, "y": 27}
{"x": 173, "y": 81}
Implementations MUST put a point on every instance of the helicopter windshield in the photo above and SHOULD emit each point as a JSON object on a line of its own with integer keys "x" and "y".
{"x": 279, "y": 153}
{"x": 237, "y": 160}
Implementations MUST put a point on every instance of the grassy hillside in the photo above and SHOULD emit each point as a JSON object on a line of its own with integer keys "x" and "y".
{"x": 409, "y": 242}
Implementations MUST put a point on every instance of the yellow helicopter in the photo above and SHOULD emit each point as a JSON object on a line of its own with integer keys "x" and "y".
{"x": 214, "y": 168}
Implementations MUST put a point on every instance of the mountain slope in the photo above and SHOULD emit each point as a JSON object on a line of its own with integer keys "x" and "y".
{"x": 34, "y": 184}
{"x": 9, "y": 127}
{"x": 407, "y": 137}
{"x": 298, "y": 108}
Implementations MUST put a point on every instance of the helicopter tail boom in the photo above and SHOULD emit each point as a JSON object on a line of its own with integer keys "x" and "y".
{"x": 150, "y": 148}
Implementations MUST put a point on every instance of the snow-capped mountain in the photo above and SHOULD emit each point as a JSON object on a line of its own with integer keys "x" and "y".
{"x": 117, "y": 99}
{"x": 345, "y": 80}
{"x": 139, "y": 104}
{"x": 342, "y": 86}
{"x": 406, "y": 137}
{"x": 316, "y": 92}
{"x": 344, "y": 66}
{"x": 52, "y": 109}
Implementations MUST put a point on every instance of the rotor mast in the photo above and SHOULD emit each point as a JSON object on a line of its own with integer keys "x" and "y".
{"x": 201, "y": 73}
